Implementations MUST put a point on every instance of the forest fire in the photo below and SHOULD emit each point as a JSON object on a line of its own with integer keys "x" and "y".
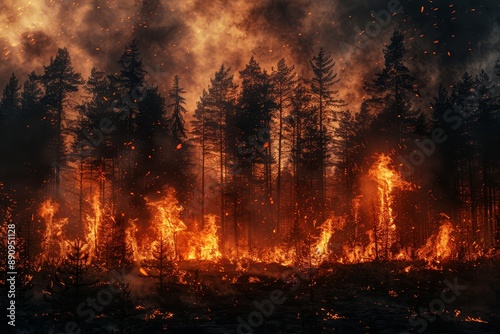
{"x": 167, "y": 235}
{"x": 298, "y": 166}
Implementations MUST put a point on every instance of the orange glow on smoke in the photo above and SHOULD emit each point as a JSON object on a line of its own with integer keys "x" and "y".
{"x": 143, "y": 271}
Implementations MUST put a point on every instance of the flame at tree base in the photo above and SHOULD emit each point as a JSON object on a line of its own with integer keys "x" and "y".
{"x": 166, "y": 237}
{"x": 439, "y": 247}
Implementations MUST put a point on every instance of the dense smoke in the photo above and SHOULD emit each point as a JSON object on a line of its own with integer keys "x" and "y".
{"x": 193, "y": 38}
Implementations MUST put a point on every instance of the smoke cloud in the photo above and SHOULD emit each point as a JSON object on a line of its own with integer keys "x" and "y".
{"x": 193, "y": 38}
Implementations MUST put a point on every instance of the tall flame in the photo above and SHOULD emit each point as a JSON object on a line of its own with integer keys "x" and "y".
{"x": 328, "y": 228}
{"x": 53, "y": 243}
{"x": 167, "y": 222}
{"x": 92, "y": 226}
{"x": 204, "y": 245}
{"x": 439, "y": 247}
{"x": 357, "y": 252}
{"x": 387, "y": 180}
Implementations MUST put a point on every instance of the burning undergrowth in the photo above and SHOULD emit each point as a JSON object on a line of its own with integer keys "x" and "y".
{"x": 161, "y": 271}
{"x": 167, "y": 238}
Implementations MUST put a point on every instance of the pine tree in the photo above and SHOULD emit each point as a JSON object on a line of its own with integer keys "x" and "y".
{"x": 216, "y": 108}
{"x": 251, "y": 148}
{"x": 151, "y": 147}
{"x": 120, "y": 251}
{"x": 303, "y": 134}
{"x": 485, "y": 130}
{"x": 70, "y": 284}
{"x": 463, "y": 98}
{"x": 131, "y": 90}
{"x": 10, "y": 112}
{"x": 284, "y": 80}
{"x": 132, "y": 72}
{"x": 92, "y": 145}
{"x": 177, "y": 127}
{"x": 10, "y": 104}
{"x": 163, "y": 263}
{"x": 445, "y": 173}
{"x": 179, "y": 149}
{"x": 344, "y": 163}
{"x": 199, "y": 136}
{"x": 131, "y": 80}
{"x": 324, "y": 97}
{"x": 390, "y": 94}
{"x": 59, "y": 81}
{"x": 33, "y": 132}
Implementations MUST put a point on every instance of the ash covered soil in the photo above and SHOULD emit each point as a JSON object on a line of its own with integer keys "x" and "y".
{"x": 391, "y": 297}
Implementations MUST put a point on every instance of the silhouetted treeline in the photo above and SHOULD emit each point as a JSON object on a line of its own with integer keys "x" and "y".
{"x": 272, "y": 156}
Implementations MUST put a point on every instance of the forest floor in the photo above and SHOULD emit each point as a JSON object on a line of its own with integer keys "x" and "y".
{"x": 392, "y": 297}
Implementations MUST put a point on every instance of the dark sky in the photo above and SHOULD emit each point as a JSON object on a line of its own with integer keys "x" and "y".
{"x": 193, "y": 38}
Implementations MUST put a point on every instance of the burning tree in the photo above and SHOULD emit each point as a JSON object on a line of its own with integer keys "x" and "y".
{"x": 167, "y": 223}
{"x": 53, "y": 243}
{"x": 440, "y": 247}
{"x": 387, "y": 180}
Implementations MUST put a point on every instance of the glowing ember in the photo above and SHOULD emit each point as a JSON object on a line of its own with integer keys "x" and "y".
{"x": 334, "y": 316}
{"x": 471, "y": 319}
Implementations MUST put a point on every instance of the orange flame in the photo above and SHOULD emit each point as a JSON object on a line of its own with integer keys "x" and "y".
{"x": 322, "y": 252}
{"x": 439, "y": 247}
{"x": 387, "y": 180}
{"x": 53, "y": 242}
{"x": 358, "y": 252}
{"x": 167, "y": 223}
{"x": 92, "y": 226}
{"x": 205, "y": 244}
